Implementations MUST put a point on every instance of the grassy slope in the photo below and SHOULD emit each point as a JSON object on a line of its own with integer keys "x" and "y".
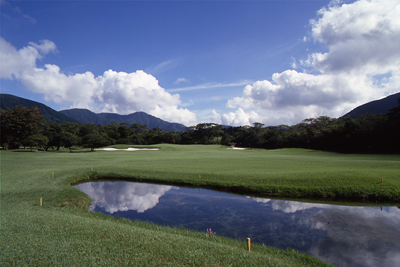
{"x": 59, "y": 233}
{"x": 290, "y": 172}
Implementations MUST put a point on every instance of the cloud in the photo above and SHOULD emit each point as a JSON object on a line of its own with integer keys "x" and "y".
{"x": 124, "y": 196}
{"x": 362, "y": 64}
{"x": 163, "y": 66}
{"x": 289, "y": 88}
{"x": 15, "y": 62}
{"x": 240, "y": 117}
{"x": 209, "y": 86}
{"x": 181, "y": 80}
{"x": 44, "y": 47}
{"x": 117, "y": 92}
{"x": 15, "y": 14}
{"x": 362, "y": 37}
{"x": 24, "y": 16}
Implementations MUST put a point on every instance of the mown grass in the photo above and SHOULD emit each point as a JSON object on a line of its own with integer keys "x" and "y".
{"x": 286, "y": 172}
{"x": 63, "y": 233}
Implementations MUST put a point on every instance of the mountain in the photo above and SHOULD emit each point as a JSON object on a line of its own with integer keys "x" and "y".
{"x": 87, "y": 116}
{"x": 49, "y": 114}
{"x": 380, "y": 106}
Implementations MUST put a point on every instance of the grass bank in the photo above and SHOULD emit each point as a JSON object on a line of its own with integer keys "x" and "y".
{"x": 296, "y": 173}
{"x": 61, "y": 232}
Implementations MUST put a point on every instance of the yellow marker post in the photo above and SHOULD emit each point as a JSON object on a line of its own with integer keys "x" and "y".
{"x": 52, "y": 174}
{"x": 382, "y": 180}
{"x": 248, "y": 244}
{"x": 41, "y": 201}
{"x": 199, "y": 176}
{"x": 91, "y": 169}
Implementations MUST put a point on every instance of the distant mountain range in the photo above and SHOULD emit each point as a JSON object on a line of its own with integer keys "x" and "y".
{"x": 49, "y": 114}
{"x": 380, "y": 106}
{"x": 86, "y": 116}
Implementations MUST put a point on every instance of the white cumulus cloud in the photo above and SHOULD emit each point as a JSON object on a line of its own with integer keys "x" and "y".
{"x": 13, "y": 62}
{"x": 362, "y": 37}
{"x": 240, "y": 117}
{"x": 362, "y": 63}
{"x": 116, "y": 92}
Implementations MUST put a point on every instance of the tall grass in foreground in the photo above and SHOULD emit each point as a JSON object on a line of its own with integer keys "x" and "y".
{"x": 62, "y": 232}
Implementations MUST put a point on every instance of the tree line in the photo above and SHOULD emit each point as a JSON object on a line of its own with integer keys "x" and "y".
{"x": 370, "y": 133}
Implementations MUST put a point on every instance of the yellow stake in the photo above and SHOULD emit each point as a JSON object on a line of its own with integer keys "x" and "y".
{"x": 382, "y": 180}
{"x": 52, "y": 174}
{"x": 41, "y": 201}
{"x": 199, "y": 176}
{"x": 248, "y": 243}
{"x": 91, "y": 169}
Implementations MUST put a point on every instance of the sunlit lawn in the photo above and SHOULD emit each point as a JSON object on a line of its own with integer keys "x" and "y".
{"x": 290, "y": 172}
{"x": 62, "y": 232}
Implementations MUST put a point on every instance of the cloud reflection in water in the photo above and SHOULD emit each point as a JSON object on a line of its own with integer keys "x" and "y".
{"x": 123, "y": 196}
{"x": 341, "y": 235}
{"x": 355, "y": 236}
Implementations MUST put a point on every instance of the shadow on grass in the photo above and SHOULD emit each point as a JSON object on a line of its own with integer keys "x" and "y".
{"x": 80, "y": 151}
{"x": 48, "y": 151}
{"x": 28, "y": 150}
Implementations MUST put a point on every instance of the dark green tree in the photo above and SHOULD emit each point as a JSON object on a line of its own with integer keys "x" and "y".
{"x": 226, "y": 139}
{"x": 93, "y": 141}
{"x": 53, "y": 131}
{"x": 37, "y": 140}
{"x": 87, "y": 128}
{"x": 18, "y": 123}
{"x": 70, "y": 135}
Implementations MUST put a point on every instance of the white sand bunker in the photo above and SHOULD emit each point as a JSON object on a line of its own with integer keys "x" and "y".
{"x": 237, "y": 148}
{"x": 128, "y": 149}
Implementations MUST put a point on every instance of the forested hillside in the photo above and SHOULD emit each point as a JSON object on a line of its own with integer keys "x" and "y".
{"x": 370, "y": 133}
{"x": 9, "y": 101}
{"x": 86, "y": 116}
{"x": 380, "y": 106}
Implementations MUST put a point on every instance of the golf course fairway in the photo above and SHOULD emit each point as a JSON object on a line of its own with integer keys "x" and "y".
{"x": 44, "y": 220}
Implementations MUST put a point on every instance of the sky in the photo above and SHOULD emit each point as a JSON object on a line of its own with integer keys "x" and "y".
{"x": 227, "y": 62}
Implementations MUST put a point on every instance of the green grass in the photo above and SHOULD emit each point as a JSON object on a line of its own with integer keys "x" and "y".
{"x": 63, "y": 233}
{"x": 285, "y": 172}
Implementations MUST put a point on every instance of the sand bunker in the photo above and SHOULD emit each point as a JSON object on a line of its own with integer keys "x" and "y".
{"x": 237, "y": 148}
{"x": 128, "y": 149}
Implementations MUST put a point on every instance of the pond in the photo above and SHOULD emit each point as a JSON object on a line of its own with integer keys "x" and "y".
{"x": 341, "y": 235}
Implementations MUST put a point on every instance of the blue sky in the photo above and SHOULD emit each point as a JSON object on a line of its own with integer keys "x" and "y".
{"x": 228, "y": 62}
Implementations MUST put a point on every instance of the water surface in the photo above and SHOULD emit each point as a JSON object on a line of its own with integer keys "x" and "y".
{"x": 341, "y": 235}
